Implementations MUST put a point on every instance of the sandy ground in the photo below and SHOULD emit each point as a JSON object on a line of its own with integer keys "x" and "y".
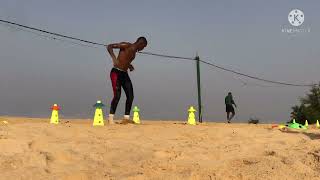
{"x": 74, "y": 150}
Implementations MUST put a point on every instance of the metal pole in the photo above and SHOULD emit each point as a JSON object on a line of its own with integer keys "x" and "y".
{"x": 197, "y": 58}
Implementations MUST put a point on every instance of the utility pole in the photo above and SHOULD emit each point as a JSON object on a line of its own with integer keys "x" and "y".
{"x": 197, "y": 58}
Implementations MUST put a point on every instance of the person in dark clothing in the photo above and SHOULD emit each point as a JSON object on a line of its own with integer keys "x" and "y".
{"x": 119, "y": 75}
{"x": 229, "y": 106}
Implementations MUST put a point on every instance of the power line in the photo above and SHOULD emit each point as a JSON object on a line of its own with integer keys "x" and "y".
{"x": 48, "y": 36}
{"x": 228, "y": 70}
{"x": 52, "y": 33}
{"x": 148, "y": 53}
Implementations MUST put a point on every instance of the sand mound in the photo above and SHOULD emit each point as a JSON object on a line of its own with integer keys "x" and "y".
{"x": 73, "y": 150}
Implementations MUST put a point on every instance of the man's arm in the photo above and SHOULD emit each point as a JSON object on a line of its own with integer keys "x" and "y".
{"x": 234, "y": 103}
{"x": 131, "y": 67}
{"x": 120, "y": 46}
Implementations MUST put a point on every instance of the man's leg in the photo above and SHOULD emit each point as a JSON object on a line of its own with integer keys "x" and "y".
{"x": 228, "y": 116}
{"x": 128, "y": 89}
{"x": 116, "y": 86}
{"x": 233, "y": 114}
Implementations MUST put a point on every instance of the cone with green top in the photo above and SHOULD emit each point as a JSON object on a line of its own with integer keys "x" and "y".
{"x": 98, "y": 115}
{"x": 192, "y": 116}
{"x": 318, "y": 125}
{"x": 55, "y": 114}
{"x": 136, "y": 117}
{"x": 295, "y": 125}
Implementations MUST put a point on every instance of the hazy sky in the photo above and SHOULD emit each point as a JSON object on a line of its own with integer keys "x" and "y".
{"x": 242, "y": 35}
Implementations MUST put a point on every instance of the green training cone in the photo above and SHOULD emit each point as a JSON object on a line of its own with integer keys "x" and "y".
{"x": 98, "y": 115}
{"x": 136, "y": 117}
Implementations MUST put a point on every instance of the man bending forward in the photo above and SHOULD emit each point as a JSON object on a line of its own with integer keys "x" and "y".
{"x": 119, "y": 75}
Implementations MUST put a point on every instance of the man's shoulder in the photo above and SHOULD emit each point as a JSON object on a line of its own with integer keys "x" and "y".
{"x": 126, "y": 43}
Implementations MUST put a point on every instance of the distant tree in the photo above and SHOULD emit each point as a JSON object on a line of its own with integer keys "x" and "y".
{"x": 309, "y": 108}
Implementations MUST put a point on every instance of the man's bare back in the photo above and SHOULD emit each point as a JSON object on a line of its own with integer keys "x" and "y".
{"x": 127, "y": 53}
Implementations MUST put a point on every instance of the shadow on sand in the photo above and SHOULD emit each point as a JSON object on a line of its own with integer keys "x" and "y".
{"x": 312, "y": 136}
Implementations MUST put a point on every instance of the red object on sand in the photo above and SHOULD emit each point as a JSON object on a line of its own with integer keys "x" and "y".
{"x": 274, "y": 126}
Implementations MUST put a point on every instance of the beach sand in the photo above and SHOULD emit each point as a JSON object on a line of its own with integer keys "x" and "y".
{"x": 32, "y": 148}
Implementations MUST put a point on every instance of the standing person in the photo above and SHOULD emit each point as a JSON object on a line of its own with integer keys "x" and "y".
{"x": 119, "y": 75}
{"x": 229, "y": 106}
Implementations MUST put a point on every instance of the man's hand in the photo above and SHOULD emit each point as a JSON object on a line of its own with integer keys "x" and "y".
{"x": 131, "y": 68}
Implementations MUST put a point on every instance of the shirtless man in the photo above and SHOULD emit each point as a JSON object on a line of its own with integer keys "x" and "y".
{"x": 119, "y": 75}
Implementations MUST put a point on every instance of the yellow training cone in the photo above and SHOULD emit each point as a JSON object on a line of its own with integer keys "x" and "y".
{"x": 318, "y": 125}
{"x": 98, "y": 115}
{"x": 294, "y": 121}
{"x": 136, "y": 118}
{"x": 55, "y": 114}
{"x": 306, "y": 124}
{"x": 192, "y": 116}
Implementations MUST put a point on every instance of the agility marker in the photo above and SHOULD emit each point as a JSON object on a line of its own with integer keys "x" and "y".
{"x": 306, "y": 124}
{"x": 192, "y": 116}
{"x": 296, "y": 126}
{"x": 55, "y": 114}
{"x": 280, "y": 126}
{"x": 294, "y": 121}
{"x": 98, "y": 115}
{"x": 136, "y": 117}
{"x": 318, "y": 125}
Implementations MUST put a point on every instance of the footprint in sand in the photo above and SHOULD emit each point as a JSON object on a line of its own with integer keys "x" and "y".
{"x": 250, "y": 161}
{"x": 316, "y": 156}
{"x": 270, "y": 153}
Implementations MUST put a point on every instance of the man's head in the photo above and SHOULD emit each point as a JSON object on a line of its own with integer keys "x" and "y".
{"x": 229, "y": 94}
{"x": 141, "y": 43}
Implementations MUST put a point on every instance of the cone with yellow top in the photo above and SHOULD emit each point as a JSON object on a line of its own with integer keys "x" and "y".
{"x": 98, "y": 115}
{"x": 192, "y": 116}
{"x": 136, "y": 117}
{"x": 306, "y": 124}
{"x": 55, "y": 114}
{"x": 318, "y": 125}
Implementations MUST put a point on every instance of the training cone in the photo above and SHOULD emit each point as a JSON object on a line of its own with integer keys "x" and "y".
{"x": 294, "y": 121}
{"x": 136, "y": 117}
{"x": 98, "y": 115}
{"x": 192, "y": 116}
{"x": 306, "y": 124}
{"x": 318, "y": 125}
{"x": 55, "y": 114}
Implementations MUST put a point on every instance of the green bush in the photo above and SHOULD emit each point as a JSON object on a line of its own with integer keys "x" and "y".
{"x": 309, "y": 108}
